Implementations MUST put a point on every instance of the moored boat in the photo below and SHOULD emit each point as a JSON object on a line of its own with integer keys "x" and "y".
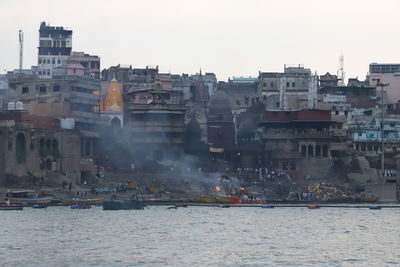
{"x": 81, "y": 206}
{"x": 123, "y": 205}
{"x": 313, "y": 207}
{"x": 11, "y": 208}
{"x": 39, "y": 206}
{"x": 267, "y": 206}
{"x": 374, "y": 207}
{"x": 90, "y": 201}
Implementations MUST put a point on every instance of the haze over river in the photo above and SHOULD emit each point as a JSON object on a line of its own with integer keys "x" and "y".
{"x": 200, "y": 236}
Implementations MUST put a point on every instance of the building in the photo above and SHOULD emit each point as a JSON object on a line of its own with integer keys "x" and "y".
{"x": 296, "y": 88}
{"x": 55, "y": 46}
{"x": 3, "y": 92}
{"x": 356, "y": 96}
{"x": 243, "y": 92}
{"x": 386, "y": 74}
{"x": 297, "y": 141}
{"x": 36, "y": 146}
{"x": 156, "y": 126}
{"x": 220, "y": 125}
{"x": 328, "y": 80}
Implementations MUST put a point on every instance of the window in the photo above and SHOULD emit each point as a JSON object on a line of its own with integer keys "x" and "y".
{"x": 42, "y": 90}
{"x": 40, "y": 61}
{"x": 287, "y": 84}
{"x": 246, "y": 101}
{"x": 48, "y": 61}
{"x": 264, "y": 84}
{"x": 293, "y": 84}
{"x": 272, "y": 84}
{"x": 25, "y": 90}
{"x": 58, "y": 61}
{"x": 56, "y": 88}
{"x": 53, "y": 61}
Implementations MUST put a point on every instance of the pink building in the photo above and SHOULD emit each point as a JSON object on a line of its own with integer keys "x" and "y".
{"x": 387, "y": 74}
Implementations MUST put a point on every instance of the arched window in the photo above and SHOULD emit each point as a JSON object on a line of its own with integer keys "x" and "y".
{"x": 20, "y": 151}
{"x": 115, "y": 122}
{"x": 48, "y": 164}
{"x": 55, "y": 148}
{"x": 310, "y": 151}
{"x": 48, "y": 146}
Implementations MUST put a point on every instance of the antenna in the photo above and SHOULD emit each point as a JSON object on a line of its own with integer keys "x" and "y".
{"x": 21, "y": 46}
{"x": 340, "y": 72}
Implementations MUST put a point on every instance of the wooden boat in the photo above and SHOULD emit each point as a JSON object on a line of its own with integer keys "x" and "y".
{"x": 81, "y": 206}
{"x": 267, "y": 206}
{"x": 181, "y": 205}
{"x": 313, "y": 207}
{"x": 374, "y": 207}
{"x": 11, "y": 208}
{"x": 28, "y": 201}
{"x": 90, "y": 201}
{"x": 123, "y": 205}
{"x": 39, "y": 206}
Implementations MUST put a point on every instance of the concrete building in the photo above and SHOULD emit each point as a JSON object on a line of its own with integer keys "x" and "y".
{"x": 3, "y": 92}
{"x": 296, "y": 140}
{"x": 55, "y": 46}
{"x": 36, "y": 146}
{"x": 296, "y": 88}
{"x": 210, "y": 80}
{"x": 220, "y": 125}
{"x": 243, "y": 92}
{"x": 68, "y": 97}
{"x": 386, "y": 74}
{"x": 156, "y": 126}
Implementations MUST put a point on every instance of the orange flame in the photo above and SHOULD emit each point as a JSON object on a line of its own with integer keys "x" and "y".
{"x": 218, "y": 188}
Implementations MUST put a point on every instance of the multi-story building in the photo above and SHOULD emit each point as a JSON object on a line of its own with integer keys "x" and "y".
{"x": 36, "y": 145}
{"x": 55, "y": 46}
{"x": 156, "y": 125}
{"x": 3, "y": 92}
{"x": 388, "y": 74}
{"x": 243, "y": 92}
{"x": 296, "y": 88}
{"x": 293, "y": 139}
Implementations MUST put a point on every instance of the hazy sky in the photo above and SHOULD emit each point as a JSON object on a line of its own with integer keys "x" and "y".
{"x": 227, "y": 37}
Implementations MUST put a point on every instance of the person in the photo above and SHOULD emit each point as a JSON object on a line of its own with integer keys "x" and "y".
{"x": 7, "y": 202}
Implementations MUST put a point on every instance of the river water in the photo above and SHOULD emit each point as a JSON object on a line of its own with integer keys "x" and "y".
{"x": 200, "y": 236}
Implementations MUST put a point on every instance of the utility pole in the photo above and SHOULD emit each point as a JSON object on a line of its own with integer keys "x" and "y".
{"x": 382, "y": 130}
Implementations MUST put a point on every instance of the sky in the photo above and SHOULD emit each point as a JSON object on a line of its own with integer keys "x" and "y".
{"x": 227, "y": 37}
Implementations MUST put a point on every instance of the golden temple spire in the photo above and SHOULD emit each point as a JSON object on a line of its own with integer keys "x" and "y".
{"x": 113, "y": 99}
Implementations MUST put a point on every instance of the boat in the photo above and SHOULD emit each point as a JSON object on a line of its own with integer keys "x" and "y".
{"x": 313, "y": 207}
{"x": 181, "y": 205}
{"x": 89, "y": 201}
{"x": 123, "y": 205}
{"x": 225, "y": 206}
{"x": 27, "y": 201}
{"x": 39, "y": 206}
{"x": 374, "y": 207}
{"x": 11, "y": 208}
{"x": 267, "y": 206}
{"x": 81, "y": 206}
